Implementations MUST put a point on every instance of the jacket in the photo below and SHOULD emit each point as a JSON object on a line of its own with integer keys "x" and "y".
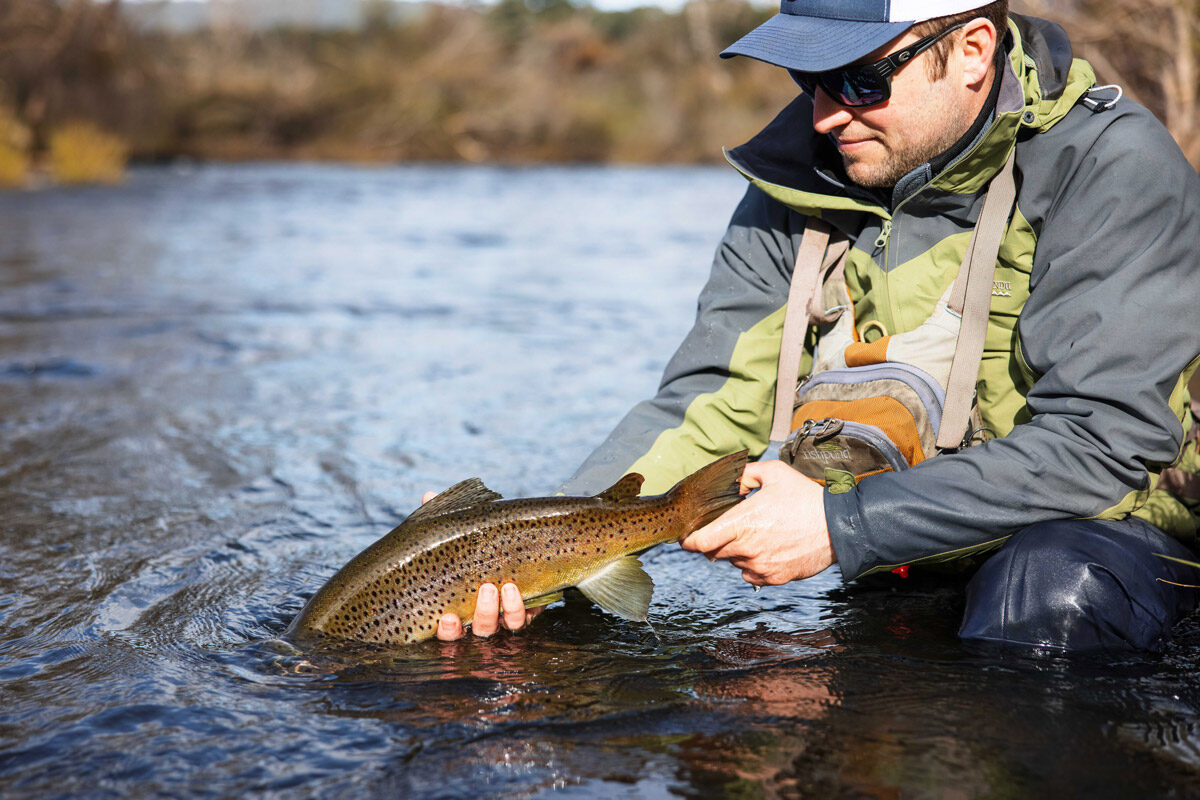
{"x": 1092, "y": 336}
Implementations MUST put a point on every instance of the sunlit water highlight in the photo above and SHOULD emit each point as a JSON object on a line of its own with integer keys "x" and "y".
{"x": 217, "y": 385}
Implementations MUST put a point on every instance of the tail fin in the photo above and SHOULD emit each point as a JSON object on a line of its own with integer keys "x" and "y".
{"x": 710, "y": 491}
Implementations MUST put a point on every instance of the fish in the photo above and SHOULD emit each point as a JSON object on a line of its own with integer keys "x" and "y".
{"x": 395, "y": 591}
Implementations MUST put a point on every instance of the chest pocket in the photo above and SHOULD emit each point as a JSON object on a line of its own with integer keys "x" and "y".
{"x": 889, "y": 404}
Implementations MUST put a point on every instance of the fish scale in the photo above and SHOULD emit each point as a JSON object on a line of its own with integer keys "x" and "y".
{"x": 397, "y": 590}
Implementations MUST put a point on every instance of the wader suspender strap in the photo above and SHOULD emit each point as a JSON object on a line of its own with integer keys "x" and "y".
{"x": 811, "y": 261}
{"x": 971, "y": 299}
{"x": 806, "y": 276}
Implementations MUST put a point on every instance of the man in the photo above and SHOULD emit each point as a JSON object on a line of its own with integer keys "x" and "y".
{"x": 909, "y": 110}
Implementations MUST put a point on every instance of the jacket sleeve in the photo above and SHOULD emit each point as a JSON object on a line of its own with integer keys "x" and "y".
{"x": 717, "y": 392}
{"x": 1111, "y": 333}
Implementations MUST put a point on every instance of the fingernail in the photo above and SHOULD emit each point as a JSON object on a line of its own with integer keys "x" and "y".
{"x": 511, "y": 593}
{"x": 487, "y": 591}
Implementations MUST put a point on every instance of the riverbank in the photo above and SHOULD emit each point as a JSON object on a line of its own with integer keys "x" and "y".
{"x": 514, "y": 82}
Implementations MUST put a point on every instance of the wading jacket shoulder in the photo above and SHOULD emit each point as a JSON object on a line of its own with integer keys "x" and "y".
{"x": 1093, "y": 333}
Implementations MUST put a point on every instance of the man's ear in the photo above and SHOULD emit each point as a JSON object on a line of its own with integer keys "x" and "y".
{"x": 977, "y": 44}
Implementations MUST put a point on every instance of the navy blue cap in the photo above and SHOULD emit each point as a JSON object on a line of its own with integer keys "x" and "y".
{"x": 816, "y": 35}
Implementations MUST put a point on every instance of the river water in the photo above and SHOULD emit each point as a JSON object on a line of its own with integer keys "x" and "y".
{"x": 218, "y": 384}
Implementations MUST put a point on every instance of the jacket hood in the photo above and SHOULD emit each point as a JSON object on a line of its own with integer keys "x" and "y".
{"x": 1041, "y": 82}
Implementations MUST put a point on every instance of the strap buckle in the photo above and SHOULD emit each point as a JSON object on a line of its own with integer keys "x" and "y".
{"x": 821, "y": 430}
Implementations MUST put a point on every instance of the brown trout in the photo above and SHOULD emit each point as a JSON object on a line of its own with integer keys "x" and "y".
{"x": 396, "y": 590}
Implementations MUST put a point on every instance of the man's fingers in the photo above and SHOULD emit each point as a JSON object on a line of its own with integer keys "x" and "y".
{"x": 427, "y": 497}
{"x": 514, "y": 607}
{"x": 715, "y": 538}
{"x": 449, "y": 628}
{"x": 711, "y": 537}
{"x": 753, "y": 578}
{"x": 487, "y": 611}
{"x": 735, "y": 548}
{"x": 741, "y": 562}
{"x": 751, "y": 477}
{"x": 750, "y": 571}
{"x": 489, "y": 614}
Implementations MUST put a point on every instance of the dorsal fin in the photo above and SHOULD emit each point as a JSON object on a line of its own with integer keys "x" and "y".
{"x": 624, "y": 490}
{"x": 464, "y": 494}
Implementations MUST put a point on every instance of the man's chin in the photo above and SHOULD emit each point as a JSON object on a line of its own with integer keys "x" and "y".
{"x": 879, "y": 173}
{"x": 868, "y": 174}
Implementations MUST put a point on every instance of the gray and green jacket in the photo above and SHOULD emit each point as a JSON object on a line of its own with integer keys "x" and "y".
{"x": 1093, "y": 333}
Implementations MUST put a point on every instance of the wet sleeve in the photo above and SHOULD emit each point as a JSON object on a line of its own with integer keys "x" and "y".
{"x": 1111, "y": 332}
{"x": 717, "y": 392}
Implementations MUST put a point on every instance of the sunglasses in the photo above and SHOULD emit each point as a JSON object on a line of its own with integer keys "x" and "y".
{"x": 862, "y": 85}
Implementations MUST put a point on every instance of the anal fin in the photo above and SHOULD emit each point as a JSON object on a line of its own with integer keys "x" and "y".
{"x": 622, "y": 588}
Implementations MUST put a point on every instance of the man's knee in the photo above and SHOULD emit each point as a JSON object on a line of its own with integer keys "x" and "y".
{"x": 1081, "y": 585}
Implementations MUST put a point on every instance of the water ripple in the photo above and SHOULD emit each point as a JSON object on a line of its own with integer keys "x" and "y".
{"x": 220, "y": 384}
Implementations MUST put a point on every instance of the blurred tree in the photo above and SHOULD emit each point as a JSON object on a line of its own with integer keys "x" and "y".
{"x": 74, "y": 59}
{"x": 1151, "y": 48}
{"x": 511, "y": 81}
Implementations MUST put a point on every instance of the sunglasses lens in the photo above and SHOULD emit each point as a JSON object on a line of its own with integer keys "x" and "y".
{"x": 855, "y": 87}
{"x": 851, "y": 86}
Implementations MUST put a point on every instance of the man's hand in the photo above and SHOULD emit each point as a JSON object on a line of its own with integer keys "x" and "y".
{"x": 487, "y": 618}
{"x": 775, "y": 536}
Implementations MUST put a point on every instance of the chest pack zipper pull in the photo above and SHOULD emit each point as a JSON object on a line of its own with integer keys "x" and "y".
{"x": 886, "y": 231}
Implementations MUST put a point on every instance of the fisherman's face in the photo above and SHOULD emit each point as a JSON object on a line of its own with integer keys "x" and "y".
{"x": 922, "y": 119}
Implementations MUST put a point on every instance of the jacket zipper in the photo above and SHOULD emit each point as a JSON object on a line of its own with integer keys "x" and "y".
{"x": 885, "y": 300}
{"x": 881, "y": 241}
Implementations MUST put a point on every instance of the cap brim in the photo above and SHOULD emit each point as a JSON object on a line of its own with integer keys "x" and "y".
{"x": 812, "y": 44}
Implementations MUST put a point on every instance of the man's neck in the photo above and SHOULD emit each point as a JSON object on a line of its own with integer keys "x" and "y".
{"x": 985, "y": 105}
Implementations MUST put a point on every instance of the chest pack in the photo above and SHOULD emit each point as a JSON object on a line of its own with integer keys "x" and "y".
{"x": 886, "y": 405}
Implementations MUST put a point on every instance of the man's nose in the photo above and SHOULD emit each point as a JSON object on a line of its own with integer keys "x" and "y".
{"x": 828, "y": 115}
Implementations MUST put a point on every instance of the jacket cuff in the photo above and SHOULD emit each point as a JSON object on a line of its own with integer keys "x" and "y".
{"x": 847, "y": 534}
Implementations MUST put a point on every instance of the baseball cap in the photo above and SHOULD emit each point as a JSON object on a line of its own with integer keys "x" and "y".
{"x": 817, "y": 35}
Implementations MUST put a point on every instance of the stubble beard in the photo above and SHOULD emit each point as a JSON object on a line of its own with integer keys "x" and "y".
{"x": 904, "y": 153}
{"x": 899, "y": 160}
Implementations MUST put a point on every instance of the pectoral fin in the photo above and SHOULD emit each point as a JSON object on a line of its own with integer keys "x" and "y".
{"x": 622, "y": 588}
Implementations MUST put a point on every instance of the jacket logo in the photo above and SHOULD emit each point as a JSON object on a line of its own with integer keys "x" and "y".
{"x": 823, "y": 452}
{"x": 1001, "y": 288}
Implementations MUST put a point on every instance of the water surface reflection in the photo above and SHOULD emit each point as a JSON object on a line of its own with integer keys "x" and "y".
{"x": 219, "y": 384}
